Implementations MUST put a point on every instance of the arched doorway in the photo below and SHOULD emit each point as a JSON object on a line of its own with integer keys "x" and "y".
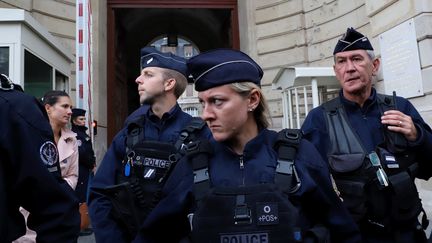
{"x": 132, "y": 25}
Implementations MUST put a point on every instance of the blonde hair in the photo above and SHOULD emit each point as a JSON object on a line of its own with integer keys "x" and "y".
{"x": 181, "y": 81}
{"x": 261, "y": 112}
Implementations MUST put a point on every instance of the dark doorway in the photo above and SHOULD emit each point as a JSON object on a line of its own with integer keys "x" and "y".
{"x": 209, "y": 25}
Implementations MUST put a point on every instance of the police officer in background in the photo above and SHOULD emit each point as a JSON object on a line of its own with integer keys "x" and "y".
{"x": 375, "y": 144}
{"x": 30, "y": 173}
{"x": 128, "y": 183}
{"x": 87, "y": 163}
{"x": 256, "y": 185}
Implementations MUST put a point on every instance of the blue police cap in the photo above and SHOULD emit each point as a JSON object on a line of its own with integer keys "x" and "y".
{"x": 352, "y": 40}
{"x": 223, "y": 66}
{"x": 78, "y": 112}
{"x": 150, "y": 57}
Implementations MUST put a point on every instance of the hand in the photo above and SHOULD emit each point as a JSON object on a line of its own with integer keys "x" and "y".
{"x": 397, "y": 121}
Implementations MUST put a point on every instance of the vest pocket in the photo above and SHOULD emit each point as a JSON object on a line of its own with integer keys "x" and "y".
{"x": 354, "y": 198}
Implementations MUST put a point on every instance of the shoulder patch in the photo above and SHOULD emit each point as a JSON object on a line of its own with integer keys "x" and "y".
{"x": 48, "y": 153}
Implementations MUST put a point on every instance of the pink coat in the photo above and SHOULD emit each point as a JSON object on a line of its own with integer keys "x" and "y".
{"x": 68, "y": 156}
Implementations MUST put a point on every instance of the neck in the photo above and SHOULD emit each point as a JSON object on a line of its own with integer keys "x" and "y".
{"x": 358, "y": 97}
{"x": 163, "y": 106}
{"x": 57, "y": 132}
{"x": 247, "y": 133}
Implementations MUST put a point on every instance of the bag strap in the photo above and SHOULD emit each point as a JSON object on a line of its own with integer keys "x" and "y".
{"x": 287, "y": 145}
{"x": 135, "y": 132}
{"x": 343, "y": 138}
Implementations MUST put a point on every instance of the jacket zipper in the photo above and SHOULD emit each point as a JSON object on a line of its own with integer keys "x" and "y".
{"x": 242, "y": 169}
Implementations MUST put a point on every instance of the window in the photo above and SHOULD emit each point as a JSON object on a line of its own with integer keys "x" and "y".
{"x": 4, "y": 60}
{"x": 176, "y": 45}
{"x": 38, "y": 75}
{"x": 193, "y": 111}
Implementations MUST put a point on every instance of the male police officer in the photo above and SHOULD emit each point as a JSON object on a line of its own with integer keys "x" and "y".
{"x": 30, "y": 173}
{"x": 128, "y": 183}
{"x": 375, "y": 145}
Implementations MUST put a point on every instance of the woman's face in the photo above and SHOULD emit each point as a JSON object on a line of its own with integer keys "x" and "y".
{"x": 79, "y": 120}
{"x": 225, "y": 111}
{"x": 60, "y": 113}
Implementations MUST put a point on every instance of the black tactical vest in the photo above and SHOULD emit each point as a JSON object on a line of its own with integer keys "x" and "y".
{"x": 377, "y": 187}
{"x": 257, "y": 213}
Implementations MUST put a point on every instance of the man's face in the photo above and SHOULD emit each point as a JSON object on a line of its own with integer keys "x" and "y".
{"x": 150, "y": 85}
{"x": 354, "y": 70}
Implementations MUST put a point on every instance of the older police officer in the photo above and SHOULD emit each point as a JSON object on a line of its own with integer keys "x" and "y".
{"x": 30, "y": 173}
{"x": 127, "y": 186}
{"x": 252, "y": 188}
{"x": 376, "y": 145}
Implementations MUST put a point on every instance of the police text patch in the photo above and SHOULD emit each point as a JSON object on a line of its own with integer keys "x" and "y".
{"x": 258, "y": 237}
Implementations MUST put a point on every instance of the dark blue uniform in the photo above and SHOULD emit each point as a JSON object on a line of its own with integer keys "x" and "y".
{"x": 259, "y": 160}
{"x": 366, "y": 122}
{"x": 166, "y": 129}
{"x": 86, "y": 161}
{"x": 30, "y": 174}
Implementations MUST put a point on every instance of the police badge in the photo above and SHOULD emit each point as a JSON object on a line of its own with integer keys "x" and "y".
{"x": 49, "y": 155}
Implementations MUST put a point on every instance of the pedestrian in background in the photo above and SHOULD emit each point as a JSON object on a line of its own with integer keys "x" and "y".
{"x": 87, "y": 164}
{"x": 58, "y": 106}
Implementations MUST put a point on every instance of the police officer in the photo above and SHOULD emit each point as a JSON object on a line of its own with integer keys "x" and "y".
{"x": 30, "y": 173}
{"x": 237, "y": 198}
{"x": 87, "y": 163}
{"x": 375, "y": 145}
{"x": 140, "y": 157}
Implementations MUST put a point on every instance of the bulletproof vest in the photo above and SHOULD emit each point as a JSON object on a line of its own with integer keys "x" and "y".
{"x": 377, "y": 186}
{"x": 257, "y": 213}
{"x": 145, "y": 168}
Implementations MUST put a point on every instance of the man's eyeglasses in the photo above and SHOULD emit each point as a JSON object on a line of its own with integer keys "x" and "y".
{"x": 381, "y": 175}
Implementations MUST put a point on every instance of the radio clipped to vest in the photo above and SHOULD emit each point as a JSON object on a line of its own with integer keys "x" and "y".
{"x": 256, "y": 213}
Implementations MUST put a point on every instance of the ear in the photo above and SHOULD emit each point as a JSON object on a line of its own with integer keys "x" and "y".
{"x": 47, "y": 108}
{"x": 170, "y": 84}
{"x": 254, "y": 99}
{"x": 376, "y": 64}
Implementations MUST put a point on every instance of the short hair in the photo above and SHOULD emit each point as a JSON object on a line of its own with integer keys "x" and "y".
{"x": 51, "y": 97}
{"x": 181, "y": 81}
{"x": 261, "y": 112}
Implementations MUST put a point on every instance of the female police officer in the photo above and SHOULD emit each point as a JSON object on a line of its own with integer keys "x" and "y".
{"x": 243, "y": 203}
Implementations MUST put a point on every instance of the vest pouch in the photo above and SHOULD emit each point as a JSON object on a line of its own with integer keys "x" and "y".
{"x": 264, "y": 214}
{"x": 342, "y": 163}
{"x": 354, "y": 197}
{"x": 406, "y": 204}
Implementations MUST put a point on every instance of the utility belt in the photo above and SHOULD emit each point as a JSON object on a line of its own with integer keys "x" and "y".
{"x": 139, "y": 183}
{"x": 260, "y": 213}
{"x": 381, "y": 191}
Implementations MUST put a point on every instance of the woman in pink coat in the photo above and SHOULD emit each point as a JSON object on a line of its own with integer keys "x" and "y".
{"x": 58, "y": 105}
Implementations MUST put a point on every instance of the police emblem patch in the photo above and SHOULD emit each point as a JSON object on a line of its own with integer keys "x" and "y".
{"x": 48, "y": 153}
